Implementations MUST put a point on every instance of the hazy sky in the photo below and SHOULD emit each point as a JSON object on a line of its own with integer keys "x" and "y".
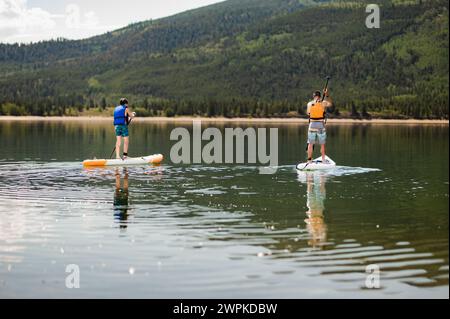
{"x": 35, "y": 20}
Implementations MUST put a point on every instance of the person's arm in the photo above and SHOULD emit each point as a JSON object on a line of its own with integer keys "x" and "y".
{"x": 328, "y": 101}
{"x": 129, "y": 113}
{"x": 308, "y": 108}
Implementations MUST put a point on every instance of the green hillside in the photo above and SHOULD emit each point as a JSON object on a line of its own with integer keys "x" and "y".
{"x": 244, "y": 58}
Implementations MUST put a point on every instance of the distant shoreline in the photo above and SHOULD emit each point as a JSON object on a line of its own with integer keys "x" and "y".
{"x": 222, "y": 120}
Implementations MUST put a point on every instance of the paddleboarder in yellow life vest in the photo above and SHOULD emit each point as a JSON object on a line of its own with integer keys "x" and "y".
{"x": 122, "y": 118}
{"x": 317, "y": 132}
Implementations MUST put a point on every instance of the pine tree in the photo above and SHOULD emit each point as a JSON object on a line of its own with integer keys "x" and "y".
{"x": 103, "y": 103}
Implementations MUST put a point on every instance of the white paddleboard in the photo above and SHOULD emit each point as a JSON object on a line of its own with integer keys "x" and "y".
{"x": 317, "y": 164}
{"x": 152, "y": 159}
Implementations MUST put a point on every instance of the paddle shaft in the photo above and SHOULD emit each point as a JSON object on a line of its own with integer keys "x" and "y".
{"x": 326, "y": 87}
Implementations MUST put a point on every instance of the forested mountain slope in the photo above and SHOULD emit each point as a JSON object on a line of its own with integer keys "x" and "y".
{"x": 244, "y": 58}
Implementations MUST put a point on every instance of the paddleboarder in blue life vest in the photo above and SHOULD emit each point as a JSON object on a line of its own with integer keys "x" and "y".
{"x": 317, "y": 132}
{"x": 122, "y": 118}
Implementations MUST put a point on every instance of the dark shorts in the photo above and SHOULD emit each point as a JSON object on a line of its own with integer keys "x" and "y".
{"x": 122, "y": 130}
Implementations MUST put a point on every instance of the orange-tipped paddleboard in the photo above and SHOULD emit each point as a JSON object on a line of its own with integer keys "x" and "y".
{"x": 152, "y": 159}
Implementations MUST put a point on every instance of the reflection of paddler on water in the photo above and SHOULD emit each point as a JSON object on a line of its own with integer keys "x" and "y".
{"x": 121, "y": 198}
{"x": 316, "y": 195}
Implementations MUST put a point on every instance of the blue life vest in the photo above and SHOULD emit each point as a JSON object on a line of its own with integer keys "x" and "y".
{"x": 119, "y": 115}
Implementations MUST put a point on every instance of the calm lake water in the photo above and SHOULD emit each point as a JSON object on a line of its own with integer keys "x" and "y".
{"x": 223, "y": 231}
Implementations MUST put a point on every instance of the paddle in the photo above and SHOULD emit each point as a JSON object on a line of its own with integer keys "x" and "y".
{"x": 323, "y": 98}
{"x": 114, "y": 149}
{"x": 326, "y": 87}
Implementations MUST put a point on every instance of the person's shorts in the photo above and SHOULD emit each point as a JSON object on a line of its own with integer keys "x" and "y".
{"x": 317, "y": 137}
{"x": 122, "y": 130}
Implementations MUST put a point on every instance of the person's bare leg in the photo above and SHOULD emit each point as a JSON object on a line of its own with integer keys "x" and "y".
{"x": 118, "y": 143}
{"x": 323, "y": 153}
{"x": 310, "y": 151}
{"x": 126, "y": 143}
{"x": 117, "y": 180}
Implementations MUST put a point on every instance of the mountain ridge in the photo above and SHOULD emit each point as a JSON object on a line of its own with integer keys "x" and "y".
{"x": 264, "y": 67}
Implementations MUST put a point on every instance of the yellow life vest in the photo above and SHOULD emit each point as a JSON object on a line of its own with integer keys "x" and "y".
{"x": 317, "y": 112}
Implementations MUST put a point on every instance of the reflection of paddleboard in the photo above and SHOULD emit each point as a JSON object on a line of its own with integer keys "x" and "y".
{"x": 317, "y": 164}
{"x": 153, "y": 159}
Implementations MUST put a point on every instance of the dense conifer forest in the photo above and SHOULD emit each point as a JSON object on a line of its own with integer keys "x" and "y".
{"x": 243, "y": 58}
